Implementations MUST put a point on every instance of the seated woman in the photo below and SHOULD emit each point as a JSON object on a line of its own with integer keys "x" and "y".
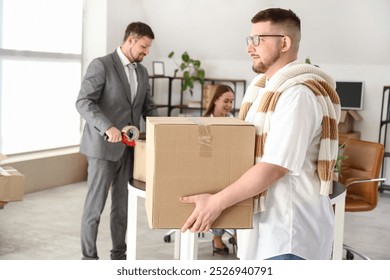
{"x": 221, "y": 102}
{"x": 221, "y": 105}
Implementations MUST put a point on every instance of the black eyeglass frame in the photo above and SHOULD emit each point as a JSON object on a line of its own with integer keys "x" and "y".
{"x": 249, "y": 39}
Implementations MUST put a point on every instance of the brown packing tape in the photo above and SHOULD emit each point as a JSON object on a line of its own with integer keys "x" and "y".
{"x": 205, "y": 141}
{"x": 204, "y": 138}
{"x": 131, "y": 130}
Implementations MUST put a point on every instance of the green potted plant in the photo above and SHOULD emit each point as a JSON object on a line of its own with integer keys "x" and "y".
{"x": 308, "y": 61}
{"x": 191, "y": 71}
{"x": 340, "y": 158}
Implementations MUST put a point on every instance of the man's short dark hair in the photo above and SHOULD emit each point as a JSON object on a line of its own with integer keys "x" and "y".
{"x": 278, "y": 16}
{"x": 138, "y": 29}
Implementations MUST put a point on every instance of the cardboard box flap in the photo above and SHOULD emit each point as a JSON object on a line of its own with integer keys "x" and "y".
{"x": 355, "y": 115}
{"x": 197, "y": 121}
{"x": 4, "y": 172}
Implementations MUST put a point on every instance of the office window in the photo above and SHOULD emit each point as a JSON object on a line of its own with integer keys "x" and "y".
{"x": 40, "y": 74}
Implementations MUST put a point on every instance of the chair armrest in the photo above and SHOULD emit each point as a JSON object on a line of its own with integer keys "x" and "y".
{"x": 352, "y": 181}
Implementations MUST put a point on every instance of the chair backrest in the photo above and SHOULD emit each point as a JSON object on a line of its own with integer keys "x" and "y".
{"x": 364, "y": 161}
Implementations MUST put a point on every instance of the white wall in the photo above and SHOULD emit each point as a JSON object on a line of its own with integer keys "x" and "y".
{"x": 349, "y": 39}
{"x": 375, "y": 77}
{"x": 95, "y": 30}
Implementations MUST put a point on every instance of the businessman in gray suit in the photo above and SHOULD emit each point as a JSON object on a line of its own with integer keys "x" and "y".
{"x": 112, "y": 96}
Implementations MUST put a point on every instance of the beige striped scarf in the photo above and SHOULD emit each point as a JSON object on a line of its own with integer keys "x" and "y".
{"x": 323, "y": 88}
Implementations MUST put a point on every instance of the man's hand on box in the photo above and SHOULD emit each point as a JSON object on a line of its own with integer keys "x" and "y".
{"x": 205, "y": 213}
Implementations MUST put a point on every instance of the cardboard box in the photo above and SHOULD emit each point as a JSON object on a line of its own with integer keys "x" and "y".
{"x": 344, "y": 137}
{"x": 11, "y": 184}
{"x": 139, "y": 172}
{"x": 208, "y": 92}
{"x": 347, "y": 119}
{"x": 187, "y": 156}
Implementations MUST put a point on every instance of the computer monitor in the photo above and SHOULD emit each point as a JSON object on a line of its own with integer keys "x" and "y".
{"x": 351, "y": 94}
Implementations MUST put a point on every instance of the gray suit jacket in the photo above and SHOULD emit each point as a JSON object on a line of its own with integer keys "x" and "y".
{"x": 103, "y": 102}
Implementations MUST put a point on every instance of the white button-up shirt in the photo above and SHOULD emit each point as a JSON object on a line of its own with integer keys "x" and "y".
{"x": 298, "y": 220}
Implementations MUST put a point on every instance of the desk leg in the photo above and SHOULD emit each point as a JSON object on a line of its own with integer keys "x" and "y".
{"x": 339, "y": 230}
{"x": 176, "y": 248}
{"x": 132, "y": 225}
{"x": 189, "y": 246}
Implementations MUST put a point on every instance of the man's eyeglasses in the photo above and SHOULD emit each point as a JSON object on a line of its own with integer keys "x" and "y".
{"x": 255, "y": 39}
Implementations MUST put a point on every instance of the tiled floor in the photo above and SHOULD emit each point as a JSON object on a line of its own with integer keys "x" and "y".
{"x": 46, "y": 225}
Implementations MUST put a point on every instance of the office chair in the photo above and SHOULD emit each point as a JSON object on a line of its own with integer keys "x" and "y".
{"x": 359, "y": 173}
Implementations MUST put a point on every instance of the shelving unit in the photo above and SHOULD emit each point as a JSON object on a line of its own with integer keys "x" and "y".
{"x": 385, "y": 121}
{"x": 181, "y": 106}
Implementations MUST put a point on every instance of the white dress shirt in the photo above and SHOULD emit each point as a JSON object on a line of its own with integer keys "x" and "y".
{"x": 125, "y": 61}
{"x": 298, "y": 220}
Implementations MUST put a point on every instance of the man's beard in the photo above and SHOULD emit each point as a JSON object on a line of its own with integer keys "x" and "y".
{"x": 139, "y": 58}
{"x": 261, "y": 68}
{"x": 258, "y": 69}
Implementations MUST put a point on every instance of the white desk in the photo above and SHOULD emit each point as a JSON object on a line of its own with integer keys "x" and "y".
{"x": 338, "y": 200}
{"x": 186, "y": 244}
{"x": 135, "y": 190}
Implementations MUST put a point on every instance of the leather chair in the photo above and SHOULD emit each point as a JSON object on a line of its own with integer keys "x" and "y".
{"x": 359, "y": 173}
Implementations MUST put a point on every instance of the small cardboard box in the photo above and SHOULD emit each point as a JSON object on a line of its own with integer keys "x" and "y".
{"x": 187, "y": 156}
{"x": 208, "y": 92}
{"x": 2, "y": 157}
{"x": 11, "y": 184}
{"x": 139, "y": 172}
{"x": 347, "y": 119}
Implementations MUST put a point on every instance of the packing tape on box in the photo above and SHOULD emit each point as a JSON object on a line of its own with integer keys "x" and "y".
{"x": 204, "y": 138}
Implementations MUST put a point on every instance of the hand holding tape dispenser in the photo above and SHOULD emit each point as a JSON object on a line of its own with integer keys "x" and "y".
{"x": 129, "y": 135}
